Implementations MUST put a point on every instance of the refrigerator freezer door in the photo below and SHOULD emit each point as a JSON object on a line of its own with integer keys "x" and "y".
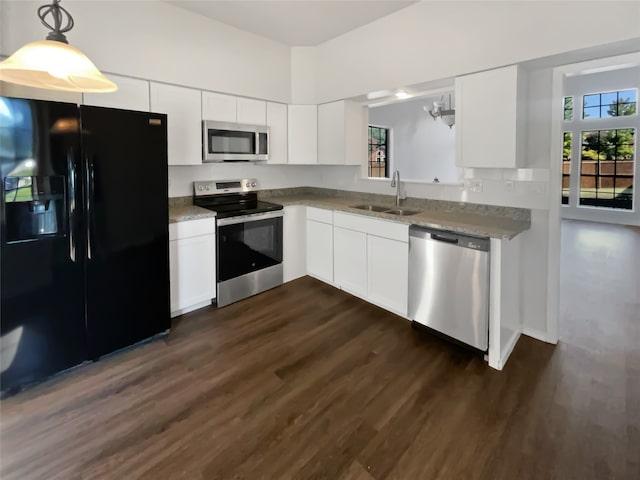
{"x": 126, "y": 178}
{"x": 41, "y": 273}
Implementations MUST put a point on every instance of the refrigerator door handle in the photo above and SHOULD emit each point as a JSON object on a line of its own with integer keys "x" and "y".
{"x": 71, "y": 186}
{"x": 89, "y": 201}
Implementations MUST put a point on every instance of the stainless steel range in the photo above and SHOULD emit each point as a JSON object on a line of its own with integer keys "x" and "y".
{"x": 248, "y": 238}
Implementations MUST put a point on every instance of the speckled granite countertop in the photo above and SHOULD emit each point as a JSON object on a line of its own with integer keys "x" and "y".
{"x": 462, "y": 222}
{"x": 475, "y": 219}
{"x": 182, "y": 213}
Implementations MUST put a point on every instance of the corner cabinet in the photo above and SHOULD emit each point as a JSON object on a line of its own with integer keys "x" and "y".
{"x": 277, "y": 123}
{"x": 192, "y": 264}
{"x": 303, "y": 134}
{"x": 490, "y": 118}
{"x": 294, "y": 261}
{"x": 320, "y": 243}
{"x": 183, "y": 107}
{"x": 342, "y": 133}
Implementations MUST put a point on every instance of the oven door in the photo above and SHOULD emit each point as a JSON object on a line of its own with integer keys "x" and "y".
{"x": 248, "y": 244}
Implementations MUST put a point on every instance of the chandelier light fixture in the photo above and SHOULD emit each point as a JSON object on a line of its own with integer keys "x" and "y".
{"x": 53, "y": 63}
{"x": 439, "y": 110}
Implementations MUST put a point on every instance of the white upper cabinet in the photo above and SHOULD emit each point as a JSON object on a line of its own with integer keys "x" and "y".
{"x": 132, "y": 94}
{"x": 490, "y": 118}
{"x": 252, "y": 112}
{"x": 219, "y": 107}
{"x": 341, "y": 133}
{"x": 277, "y": 123}
{"x": 184, "y": 121}
{"x": 303, "y": 134}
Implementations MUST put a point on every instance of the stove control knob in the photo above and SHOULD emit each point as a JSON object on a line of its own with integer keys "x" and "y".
{"x": 207, "y": 187}
{"x": 253, "y": 184}
{"x": 200, "y": 188}
{"x": 248, "y": 184}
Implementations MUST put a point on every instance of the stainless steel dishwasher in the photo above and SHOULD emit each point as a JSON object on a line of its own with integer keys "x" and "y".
{"x": 449, "y": 284}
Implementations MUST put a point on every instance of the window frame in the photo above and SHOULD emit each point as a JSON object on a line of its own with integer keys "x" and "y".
{"x": 387, "y": 149}
{"x": 589, "y": 119}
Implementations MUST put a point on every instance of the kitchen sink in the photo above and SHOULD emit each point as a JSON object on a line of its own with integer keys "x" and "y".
{"x": 401, "y": 211}
{"x": 371, "y": 208}
{"x": 393, "y": 211}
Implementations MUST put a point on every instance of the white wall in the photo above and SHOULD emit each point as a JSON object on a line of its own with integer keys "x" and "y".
{"x": 577, "y": 86}
{"x": 158, "y": 41}
{"x": 435, "y": 39}
{"x": 420, "y": 148}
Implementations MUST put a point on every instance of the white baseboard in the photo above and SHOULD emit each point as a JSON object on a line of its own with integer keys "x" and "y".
{"x": 533, "y": 333}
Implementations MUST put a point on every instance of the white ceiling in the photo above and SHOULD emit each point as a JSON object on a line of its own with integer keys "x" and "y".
{"x": 295, "y": 22}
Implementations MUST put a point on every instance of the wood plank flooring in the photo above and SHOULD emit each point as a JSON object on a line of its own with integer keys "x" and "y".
{"x": 307, "y": 382}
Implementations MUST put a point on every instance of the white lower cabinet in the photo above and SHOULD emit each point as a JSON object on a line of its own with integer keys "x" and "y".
{"x": 350, "y": 261}
{"x": 192, "y": 264}
{"x": 294, "y": 239}
{"x": 388, "y": 273}
{"x": 365, "y": 256}
{"x": 319, "y": 249}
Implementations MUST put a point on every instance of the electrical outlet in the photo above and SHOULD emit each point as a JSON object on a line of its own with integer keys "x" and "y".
{"x": 508, "y": 186}
{"x": 473, "y": 185}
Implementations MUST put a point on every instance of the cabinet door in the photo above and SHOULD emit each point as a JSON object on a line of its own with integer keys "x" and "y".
{"x": 184, "y": 124}
{"x": 132, "y": 94}
{"x": 388, "y": 273}
{"x": 487, "y": 118}
{"x": 320, "y": 250}
{"x": 219, "y": 107}
{"x": 303, "y": 134}
{"x": 331, "y": 133}
{"x": 252, "y": 112}
{"x": 294, "y": 242}
{"x": 277, "y": 123}
{"x": 193, "y": 272}
{"x": 350, "y": 260}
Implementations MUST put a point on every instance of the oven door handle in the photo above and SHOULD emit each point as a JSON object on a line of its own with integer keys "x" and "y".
{"x": 249, "y": 218}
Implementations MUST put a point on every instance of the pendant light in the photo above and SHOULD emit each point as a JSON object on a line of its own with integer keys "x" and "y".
{"x": 447, "y": 115}
{"x": 53, "y": 63}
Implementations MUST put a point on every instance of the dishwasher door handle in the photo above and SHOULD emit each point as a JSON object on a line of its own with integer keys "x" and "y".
{"x": 442, "y": 238}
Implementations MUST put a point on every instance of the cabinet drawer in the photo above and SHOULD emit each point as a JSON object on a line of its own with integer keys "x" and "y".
{"x": 320, "y": 215}
{"x": 192, "y": 228}
{"x": 372, "y": 226}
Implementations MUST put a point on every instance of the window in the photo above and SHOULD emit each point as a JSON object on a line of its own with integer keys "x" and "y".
{"x": 606, "y": 168}
{"x": 378, "y": 151}
{"x": 566, "y": 167}
{"x": 568, "y": 108}
{"x": 609, "y": 104}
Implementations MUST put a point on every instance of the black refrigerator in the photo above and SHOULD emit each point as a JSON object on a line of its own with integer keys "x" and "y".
{"x": 84, "y": 237}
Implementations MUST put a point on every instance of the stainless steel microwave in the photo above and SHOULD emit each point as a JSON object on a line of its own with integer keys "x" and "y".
{"x": 232, "y": 142}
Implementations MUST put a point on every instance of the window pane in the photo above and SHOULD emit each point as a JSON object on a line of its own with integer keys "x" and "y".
{"x": 591, "y": 112}
{"x": 568, "y": 108}
{"x": 625, "y": 109}
{"x": 609, "y": 110}
{"x": 609, "y": 98}
{"x": 591, "y": 100}
{"x": 628, "y": 96}
{"x": 566, "y": 167}
{"x": 607, "y": 167}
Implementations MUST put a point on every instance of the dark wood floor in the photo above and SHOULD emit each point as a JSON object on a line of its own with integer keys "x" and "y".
{"x": 307, "y": 382}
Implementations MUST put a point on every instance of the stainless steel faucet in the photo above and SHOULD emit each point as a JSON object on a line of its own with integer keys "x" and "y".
{"x": 395, "y": 182}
